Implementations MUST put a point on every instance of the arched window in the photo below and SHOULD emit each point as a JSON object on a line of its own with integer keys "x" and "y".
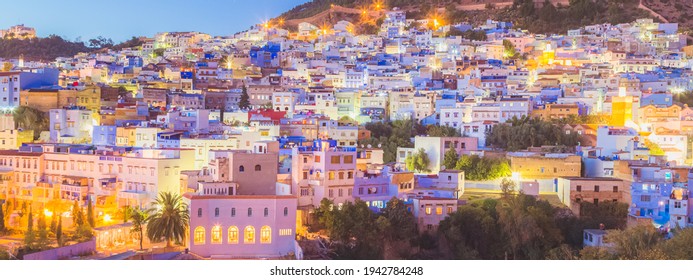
{"x": 249, "y": 235}
{"x": 241, "y": 168}
{"x": 216, "y": 235}
{"x": 233, "y": 235}
{"x": 258, "y": 168}
{"x": 199, "y": 236}
{"x": 266, "y": 212}
{"x": 266, "y": 235}
{"x": 286, "y": 211}
{"x": 250, "y": 212}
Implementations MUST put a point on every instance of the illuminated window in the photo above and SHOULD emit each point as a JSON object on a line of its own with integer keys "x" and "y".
{"x": 249, "y": 235}
{"x": 216, "y": 235}
{"x": 330, "y": 175}
{"x": 199, "y": 236}
{"x": 233, "y": 235}
{"x": 439, "y": 210}
{"x": 428, "y": 210}
{"x": 266, "y": 235}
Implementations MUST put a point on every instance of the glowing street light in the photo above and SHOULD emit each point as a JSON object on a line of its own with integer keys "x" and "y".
{"x": 47, "y": 213}
{"x": 107, "y": 218}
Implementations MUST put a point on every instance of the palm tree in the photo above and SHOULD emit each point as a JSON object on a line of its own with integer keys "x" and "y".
{"x": 170, "y": 219}
{"x": 138, "y": 218}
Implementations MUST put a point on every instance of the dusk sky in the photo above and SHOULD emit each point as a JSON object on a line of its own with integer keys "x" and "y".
{"x": 123, "y": 19}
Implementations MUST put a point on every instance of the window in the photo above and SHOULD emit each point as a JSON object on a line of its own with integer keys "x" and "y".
{"x": 266, "y": 235}
{"x": 199, "y": 212}
{"x": 305, "y": 175}
{"x": 578, "y": 188}
{"x": 266, "y": 212}
{"x": 317, "y": 158}
{"x": 258, "y": 168}
{"x": 334, "y": 160}
{"x": 286, "y": 211}
{"x": 241, "y": 169}
{"x": 250, "y": 212}
{"x": 341, "y": 175}
{"x": 233, "y": 235}
{"x": 350, "y": 175}
{"x": 439, "y": 210}
{"x": 199, "y": 236}
{"x": 450, "y": 209}
{"x": 233, "y": 212}
{"x": 428, "y": 210}
{"x": 216, "y": 235}
{"x": 596, "y": 201}
{"x": 615, "y": 188}
{"x": 596, "y": 188}
{"x": 330, "y": 175}
{"x": 216, "y": 212}
{"x": 348, "y": 159}
{"x": 249, "y": 235}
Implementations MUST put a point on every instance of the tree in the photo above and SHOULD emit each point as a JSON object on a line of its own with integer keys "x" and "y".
{"x": 352, "y": 228}
{"x": 138, "y": 218}
{"x": 170, "y": 220}
{"x": 42, "y": 233}
{"x": 2, "y": 220}
{"x": 442, "y": 131}
{"x": 7, "y": 66}
{"x": 678, "y": 247}
{"x": 90, "y": 214}
{"x": 509, "y": 49}
{"x": 398, "y": 228}
{"x": 450, "y": 159}
{"x": 77, "y": 215}
{"x": 472, "y": 232}
{"x": 244, "y": 102}
{"x": 59, "y": 232}
{"x": 418, "y": 161}
{"x": 29, "y": 235}
{"x": 635, "y": 243}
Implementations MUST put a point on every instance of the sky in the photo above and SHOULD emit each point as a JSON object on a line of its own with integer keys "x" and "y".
{"x": 122, "y": 19}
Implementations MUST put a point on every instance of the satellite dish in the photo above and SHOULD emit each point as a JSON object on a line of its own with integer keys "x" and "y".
{"x": 369, "y": 146}
{"x": 380, "y": 145}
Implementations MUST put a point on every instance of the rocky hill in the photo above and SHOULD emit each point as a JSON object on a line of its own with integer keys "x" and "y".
{"x": 548, "y": 16}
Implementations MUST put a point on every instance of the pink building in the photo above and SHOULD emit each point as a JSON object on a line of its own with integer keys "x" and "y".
{"x": 242, "y": 226}
{"x": 323, "y": 172}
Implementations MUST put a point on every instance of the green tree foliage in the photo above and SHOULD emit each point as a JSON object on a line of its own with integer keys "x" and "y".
{"x": 509, "y": 50}
{"x": 442, "y": 131}
{"x": 559, "y": 19}
{"x": 170, "y": 220}
{"x": 90, "y": 214}
{"x": 244, "y": 102}
{"x": 59, "y": 238}
{"x": 418, "y": 161}
{"x": 392, "y": 135}
{"x": 27, "y": 118}
{"x": 131, "y": 43}
{"x": 685, "y": 98}
{"x": 45, "y": 49}
{"x": 30, "y": 234}
{"x": 450, "y": 159}
{"x": 138, "y": 218}
{"x": 472, "y": 232}
{"x": 158, "y": 52}
{"x": 528, "y": 226}
{"x": 522, "y": 133}
{"x": 42, "y": 240}
{"x": 100, "y": 43}
{"x": 398, "y": 229}
{"x": 2, "y": 219}
{"x": 636, "y": 243}
{"x": 678, "y": 247}
{"x": 357, "y": 232}
{"x": 478, "y": 168}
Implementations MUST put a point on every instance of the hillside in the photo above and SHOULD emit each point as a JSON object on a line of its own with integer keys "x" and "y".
{"x": 47, "y": 49}
{"x": 680, "y": 11}
{"x": 554, "y": 16}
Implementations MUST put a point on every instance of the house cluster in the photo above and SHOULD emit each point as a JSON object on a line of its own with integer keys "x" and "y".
{"x": 255, "y": 129}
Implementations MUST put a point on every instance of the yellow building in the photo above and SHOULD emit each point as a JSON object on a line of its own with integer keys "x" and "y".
{"x": 621, "y": 110}
{"x": 548, "y": 166}
{"x": 90, "y": 98}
